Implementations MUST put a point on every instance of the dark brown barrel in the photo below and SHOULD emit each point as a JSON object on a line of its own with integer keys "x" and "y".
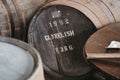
{"x": 60, "y": 30}
{"x": 15, "y": 14}
{"x": 105, "y": 58}
{"x": 8, "y": 44}
{"x": 59, "y": 33}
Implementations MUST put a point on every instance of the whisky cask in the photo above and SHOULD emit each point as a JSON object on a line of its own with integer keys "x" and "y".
{"x": 60, "y": 29}
{"x": 100, "y": 12}
{"x": 19, "y": 61}
{"x": 59, "y": 33}
{"x": 15, "y": 14}
{"x": 103, "y": 50}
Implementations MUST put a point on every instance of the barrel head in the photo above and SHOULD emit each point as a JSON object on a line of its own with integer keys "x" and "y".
{"x": 59, "y": 33}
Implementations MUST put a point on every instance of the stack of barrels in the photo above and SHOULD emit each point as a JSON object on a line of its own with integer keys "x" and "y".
{"x": 58, "y": 30}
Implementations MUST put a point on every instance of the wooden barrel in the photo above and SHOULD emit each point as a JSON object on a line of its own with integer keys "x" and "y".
{"x": 102, "y": 50}
{"x": 19, "y": 61}
{"x": 100, "y": 12}
{"x": 15, "y": 14}
{"x": 60, "y": 29}
{"x": 59, "y": 33}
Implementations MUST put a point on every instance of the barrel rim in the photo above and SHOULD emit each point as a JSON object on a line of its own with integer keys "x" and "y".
{"x": 85, "y": 48}
{"x": 33, "y": 52}
{"x": 46, "y": 68}
{"x": 82, "y": 7}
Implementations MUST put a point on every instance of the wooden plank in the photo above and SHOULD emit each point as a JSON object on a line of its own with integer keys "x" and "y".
{"x": 103, "y": 55}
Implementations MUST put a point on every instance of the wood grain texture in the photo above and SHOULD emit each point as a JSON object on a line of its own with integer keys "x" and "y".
{"x": 5, "y": 28}
{"x": 103, "y": 56}
{"x": 100, "y": 12}
{"x": 59, "y": 34}
{"x": 97, "y": 44}
{"x": 15, "y": 14}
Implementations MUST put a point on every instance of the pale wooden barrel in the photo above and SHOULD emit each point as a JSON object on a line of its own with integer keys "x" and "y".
{"x": 19, "y": 61}
{"x": 100, "y": 12}
{"x": 15, "y": 14}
